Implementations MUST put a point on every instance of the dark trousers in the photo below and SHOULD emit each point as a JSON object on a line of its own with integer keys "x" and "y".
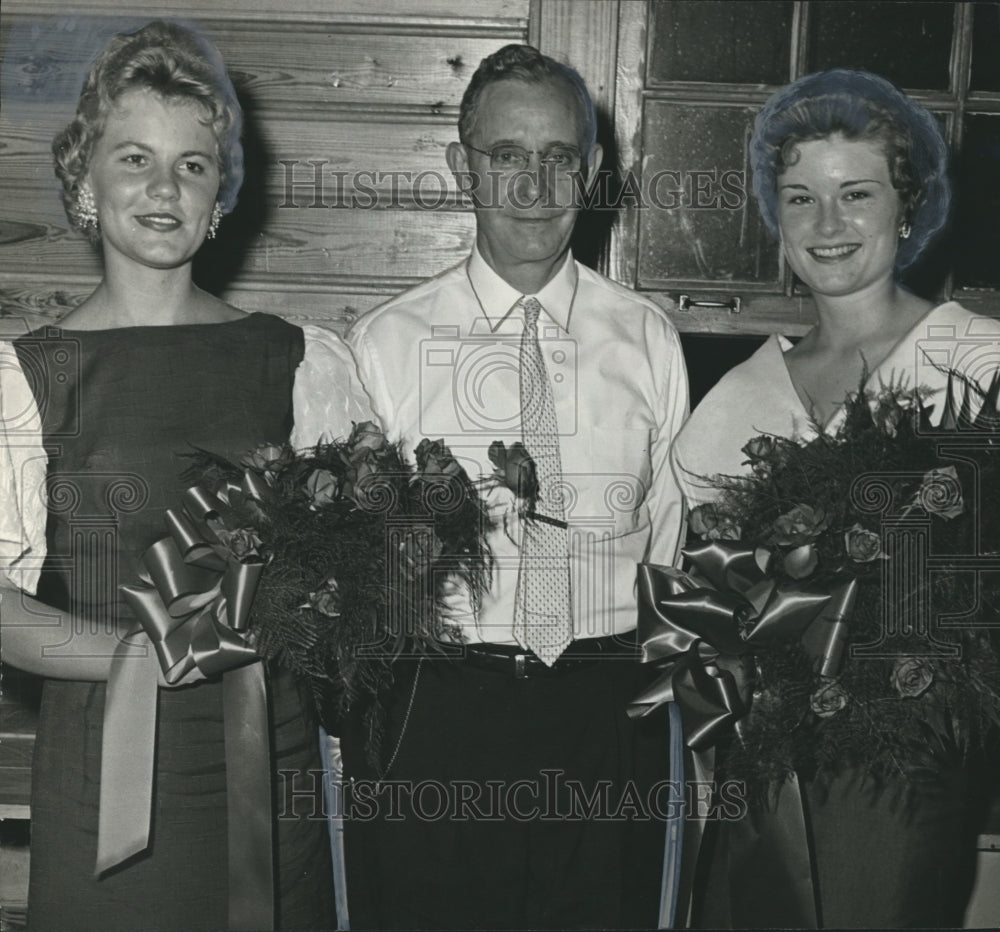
{"x": 510, "y": 803}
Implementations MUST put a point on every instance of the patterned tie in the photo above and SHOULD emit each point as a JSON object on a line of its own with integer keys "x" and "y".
{"x": 543, "y": 620}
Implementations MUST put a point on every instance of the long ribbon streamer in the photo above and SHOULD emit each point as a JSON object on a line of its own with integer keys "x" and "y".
{"x": 191, "y": 606}
{"x": 702, "y": 631}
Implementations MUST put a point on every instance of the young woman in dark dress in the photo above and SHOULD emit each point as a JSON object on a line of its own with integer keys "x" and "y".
{"x": 96, "y": 414}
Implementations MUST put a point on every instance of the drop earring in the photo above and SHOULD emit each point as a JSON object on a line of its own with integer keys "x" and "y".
{"x": 85, "y": 210}
{"x": 216, "y": 219}
{"x": 905, "y": 229}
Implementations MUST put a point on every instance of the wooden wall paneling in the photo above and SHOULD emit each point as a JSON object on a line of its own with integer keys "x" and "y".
{"x": 630, "y": 78}
{"x": 25, "y": 308}
{"x": 288, "y": 66}
{"x": 585, "y": 35}
{"x": 292, "y": 164}
{"x": 395, "y": 247}
{"x": 435, "y": 15}
{"x": 367, "y": 90}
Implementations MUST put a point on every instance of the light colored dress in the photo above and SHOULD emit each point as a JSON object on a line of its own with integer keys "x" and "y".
{"x": 758, "y": 397}
{"x": 885, "y": 855}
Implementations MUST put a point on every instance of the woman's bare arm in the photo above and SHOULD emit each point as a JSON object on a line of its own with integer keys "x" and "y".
{"x": 41, "y": 639}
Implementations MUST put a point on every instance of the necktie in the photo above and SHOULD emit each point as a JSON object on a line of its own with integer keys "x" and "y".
{"x": 542, "y": 615}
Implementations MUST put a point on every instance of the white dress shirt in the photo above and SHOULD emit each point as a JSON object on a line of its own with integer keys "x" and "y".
{"x": 441, "y": 361}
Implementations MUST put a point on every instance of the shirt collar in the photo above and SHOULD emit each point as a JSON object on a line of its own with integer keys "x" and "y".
{"x": 497, "y": 298}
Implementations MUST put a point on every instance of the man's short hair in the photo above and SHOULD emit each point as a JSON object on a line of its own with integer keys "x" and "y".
{"x": 523, "y": 63}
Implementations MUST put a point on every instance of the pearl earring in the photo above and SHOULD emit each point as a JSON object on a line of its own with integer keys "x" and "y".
{"x": 216, "y": 219}
{"x": 84, "y": 211}
{"x": 905, "y": 230}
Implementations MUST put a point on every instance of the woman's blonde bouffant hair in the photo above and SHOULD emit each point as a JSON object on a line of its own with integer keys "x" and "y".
{"x": 173, "y": 61}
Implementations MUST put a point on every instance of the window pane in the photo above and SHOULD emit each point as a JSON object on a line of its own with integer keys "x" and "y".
{"x": 976, "y": 233}
{"x": 720, "y": 41}
{"x": 985, "y": 39}
{"x": 908, "y": 43}
{"x": 701, "y": 222}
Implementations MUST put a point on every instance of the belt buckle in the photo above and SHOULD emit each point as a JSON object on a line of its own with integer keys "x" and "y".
{"x": 520, "y": 666}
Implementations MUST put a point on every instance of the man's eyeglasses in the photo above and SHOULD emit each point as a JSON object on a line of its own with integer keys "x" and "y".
{"x": 510, "y": 158}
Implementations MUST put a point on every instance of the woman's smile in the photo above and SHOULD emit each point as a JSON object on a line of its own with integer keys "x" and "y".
{"x": 833, "y": 253}
{"x": 163, "y": 223}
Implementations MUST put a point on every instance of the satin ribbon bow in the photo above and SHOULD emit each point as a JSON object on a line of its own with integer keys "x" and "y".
{"x": 192, "y": 605}
{"x": 703, "y": 628}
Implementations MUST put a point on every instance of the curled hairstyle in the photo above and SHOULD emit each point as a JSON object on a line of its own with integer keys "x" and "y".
{"x": 524, "y": 63}
{"x": 175, "y": 62}
{"x": 859, "y": 106}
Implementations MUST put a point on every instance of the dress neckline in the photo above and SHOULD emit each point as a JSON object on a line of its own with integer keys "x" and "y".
{"x": 194, "y": 325}
{"x": 783, "y": 345}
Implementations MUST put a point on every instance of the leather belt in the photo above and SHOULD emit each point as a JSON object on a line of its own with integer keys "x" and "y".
{"x": 521, "y": 664}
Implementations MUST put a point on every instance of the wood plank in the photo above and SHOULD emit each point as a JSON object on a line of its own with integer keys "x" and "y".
{"x": 26, "y": 305}
{"x": 760, "y": 315}
{"x": 629, "y": 82}
{"x": 299, "y": 66}
{"x": 400, "y": 159}
{"x": 469, "y": 13}
{"x": 304, "y": 246}
{"x": 339, "y": 305}
{"x": 18, "y": 722}
{"x": 585, "y": 36}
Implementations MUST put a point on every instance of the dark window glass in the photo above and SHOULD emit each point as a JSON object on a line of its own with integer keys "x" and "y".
{"x": 701, "y": 221}
{"x": 720, "y": 41}
{"x": 908, "y": 43}
{"x": 985, "y": 45}
{"x": 976, "y": 232}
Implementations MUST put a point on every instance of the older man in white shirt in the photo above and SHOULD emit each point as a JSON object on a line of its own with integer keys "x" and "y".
{"x": 525, "y": 733}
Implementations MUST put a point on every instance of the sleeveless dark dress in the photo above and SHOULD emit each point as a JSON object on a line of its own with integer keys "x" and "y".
{"x": 118, "y": 406}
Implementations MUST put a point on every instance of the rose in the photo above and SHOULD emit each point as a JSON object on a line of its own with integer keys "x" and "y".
{"x": 321, "y": 488}
{"x": 762, "y": 453}
{"x": 515, "y": 469}
{"x": 709, "y": 523}
{"x": 760, "y": 448}
{"x": 890, "y": 409}
{"x": 357, "y": 473}
{"x": 361, "y": 453}
{"x": 367, "y": 436}
{"x": 243, "y": 542}
{"x": 828, "y": 699}
{"x": 268, "y": 457}
{"x": 801, "y": 561}
{"x": 435, "y": 459}
{"x": 326, "y": 599}
{"x": 862, "y": 545}
{"x": 911, "y": 676}
{"x": 419, "y": 548}
{"x": 940, "y": 493}
{"x": 799, "y": 526}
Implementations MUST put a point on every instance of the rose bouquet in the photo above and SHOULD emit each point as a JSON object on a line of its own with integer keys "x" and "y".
{"x": 859, "y": 576}
{"x": 360, "y": 551}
